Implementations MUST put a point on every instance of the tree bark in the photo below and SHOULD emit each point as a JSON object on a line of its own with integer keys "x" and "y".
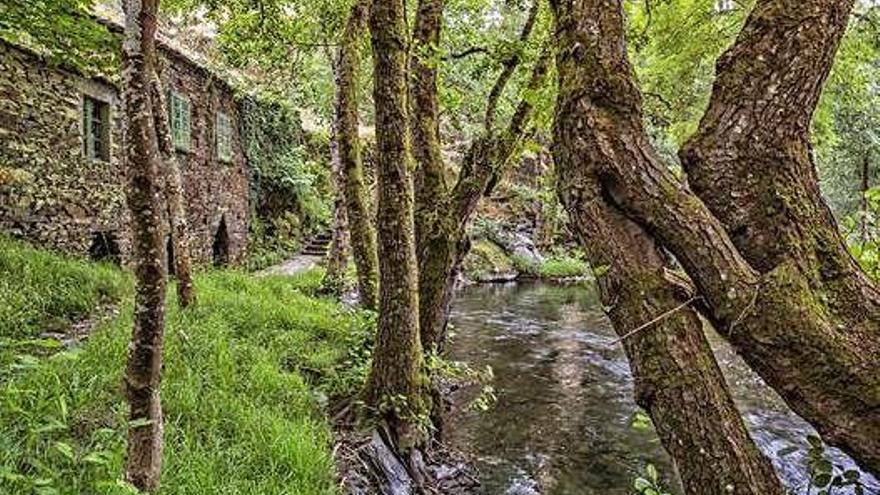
{"x": 775, "y": 319}
{"x": 173, "y": 195}
{"x": 677, "y": 379}
{"x": 863, "y": 199}
{"x": 337, "y": 258}
{"x": 362, "y": 232}
{"x": 396, "y": 387}
{"x": 751, "y": 162}
{"x": 143, "y": 190}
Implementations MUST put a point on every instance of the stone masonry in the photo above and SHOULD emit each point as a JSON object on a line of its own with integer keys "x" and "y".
{"x": 53, "y": 195}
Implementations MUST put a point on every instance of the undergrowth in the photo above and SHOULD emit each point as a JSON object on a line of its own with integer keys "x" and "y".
{"x": 246, "y": 373}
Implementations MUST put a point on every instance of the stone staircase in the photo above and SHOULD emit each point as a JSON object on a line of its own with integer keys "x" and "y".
{"x": 319, "y": 244}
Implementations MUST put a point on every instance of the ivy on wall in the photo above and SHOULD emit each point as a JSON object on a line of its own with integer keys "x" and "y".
{"x": 64, "y": 33}
{"x": 291, "y": 193}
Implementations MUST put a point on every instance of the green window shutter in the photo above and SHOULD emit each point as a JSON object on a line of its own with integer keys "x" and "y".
{"x": 180, "y": 109}
{"x": 223, "y": 133}
{"x": 186, "y": 126}
{"x": 88, "y": 137}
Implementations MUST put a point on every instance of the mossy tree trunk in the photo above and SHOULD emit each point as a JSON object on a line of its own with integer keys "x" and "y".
{"x": 337, "y": 258}
{"x": 751, "y": 163}
{"x": 396, "y": 387}
{"x": 776, "y": 316}
{"x": 173, "y": 195}
{"x": 442, "y": 213}
{"x": 678, "y": 381}
{"x": 360, "y": 219}
{"x": 143, "y": 192}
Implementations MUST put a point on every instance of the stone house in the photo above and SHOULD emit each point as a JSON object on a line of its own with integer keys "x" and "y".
{"x": 61, "y": 176}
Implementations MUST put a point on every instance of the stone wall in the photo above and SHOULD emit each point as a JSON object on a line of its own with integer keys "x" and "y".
{"x": 52, "y": 195}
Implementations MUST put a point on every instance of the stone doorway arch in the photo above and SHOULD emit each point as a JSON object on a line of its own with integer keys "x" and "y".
{"x": 220, "y": 247}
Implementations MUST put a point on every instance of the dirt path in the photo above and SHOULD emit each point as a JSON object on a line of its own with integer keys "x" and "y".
{"x": 298, "y": 264}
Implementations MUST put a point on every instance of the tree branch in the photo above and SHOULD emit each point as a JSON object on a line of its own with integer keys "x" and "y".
{"x": 509, "y": 67}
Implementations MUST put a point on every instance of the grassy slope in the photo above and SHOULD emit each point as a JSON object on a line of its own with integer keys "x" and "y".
{"x": 245, "y": 373}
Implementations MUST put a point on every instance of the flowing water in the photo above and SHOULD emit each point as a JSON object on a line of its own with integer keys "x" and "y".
{"x": 565, "y": 422}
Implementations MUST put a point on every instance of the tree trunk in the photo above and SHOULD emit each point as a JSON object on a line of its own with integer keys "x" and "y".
{"x": 143, "y": 190}
{"x": 362, "y": 233}
{"x": 751, "y": 163}
{"x": 443, "y": 214}
{"x": 775, "y": 319}
{"x": 396, "y": 387}
{"x": 863, "y": 199}
{"x": 337, "y": 258}
{"x": 173, "y": 195}
{"x": 677, "y": 379}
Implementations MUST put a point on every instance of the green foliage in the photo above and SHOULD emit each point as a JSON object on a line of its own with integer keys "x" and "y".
{"x": 290, "y": 182}
{"x": 273, "y": 241}
{"x": 560, "y": 265}
{"x": 63, "y": 32}
{"x": 649, "y": 483}
{"x": 674, "y": 45}
{"x": 845, "y": 125}
{"x": 283, "y": 46}
{"x": 484, "y": 259}
{"x": 827, "y": 477}
{"x": 860, "y": 229}
{"x": 245, "y": 374}
{"x": 286, "y": 173}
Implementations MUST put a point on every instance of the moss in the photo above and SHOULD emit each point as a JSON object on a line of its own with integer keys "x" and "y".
{"x": 485, "y": 259}
{"x": 64, "y": 33}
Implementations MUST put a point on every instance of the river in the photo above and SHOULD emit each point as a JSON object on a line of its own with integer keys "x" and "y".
{"x": 565, "y": 422}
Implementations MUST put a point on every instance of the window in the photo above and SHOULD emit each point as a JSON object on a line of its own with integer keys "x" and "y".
{"x": 223, "y": 133}
{"x": 96, "y": 129}
{"x": 723, "y": 6}
{"x": 180, "y": 115}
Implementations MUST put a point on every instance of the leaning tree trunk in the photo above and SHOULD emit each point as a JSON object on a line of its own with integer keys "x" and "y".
{"x": 395, "y": 388}
{"x": 173, "y": 195}
{"x": 677, "y": 379}
{"x": 443, "y": 214}
{"x": 776, "y": 320}
{"x": 362, "y": 233}
{"x": 751, "y": 163}
{"x": 337, "y": 258}
{"x": 864, "y": 186}
{"x": 143, "y": 190}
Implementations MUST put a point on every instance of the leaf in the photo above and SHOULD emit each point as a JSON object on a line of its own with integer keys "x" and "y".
{"x": 65, "y": 449}
{"x": 652, "y": 472}
{"x": 823, "y": 466}
{"x": 814, "y": 441}
{"x": 822, "y": 480}
{"x": 641, "y": 484}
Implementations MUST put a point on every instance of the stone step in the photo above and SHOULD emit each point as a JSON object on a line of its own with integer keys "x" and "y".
{"x": 318, "y": 244}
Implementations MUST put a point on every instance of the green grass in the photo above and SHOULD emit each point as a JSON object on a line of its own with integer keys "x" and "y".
{"x": 486, "y": 258}
{"x": 41, "y": 291}
{"x": 246, "y": 373}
